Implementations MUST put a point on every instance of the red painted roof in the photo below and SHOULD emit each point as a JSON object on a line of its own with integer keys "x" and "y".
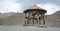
{"x": 33, "y": 8}
{"x": 36, "y": 7}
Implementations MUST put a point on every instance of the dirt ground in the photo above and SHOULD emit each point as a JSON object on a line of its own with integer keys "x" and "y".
{"x": 27, "y": 28}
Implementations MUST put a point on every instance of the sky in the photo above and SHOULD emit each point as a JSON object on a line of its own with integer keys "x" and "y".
{"x": 20, "y": 5}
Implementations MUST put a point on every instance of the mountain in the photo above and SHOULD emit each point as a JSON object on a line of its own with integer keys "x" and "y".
{"x": 54, "y": 19}
{"x": 12, "y": 19}
{"x": 18, "y": 19}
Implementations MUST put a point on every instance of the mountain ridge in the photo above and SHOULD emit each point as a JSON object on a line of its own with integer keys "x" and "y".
{"x": 19, "y": 18}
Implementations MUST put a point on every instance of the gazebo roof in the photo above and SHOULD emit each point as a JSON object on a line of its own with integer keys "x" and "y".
{"x": 36, "y": 7}
{"x": 33, "y": 8}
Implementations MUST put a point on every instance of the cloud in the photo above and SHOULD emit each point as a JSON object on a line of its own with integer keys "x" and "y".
{"x": 8, "y": 6}
{"x": 13, "y": 6}
{"x": 51, "y": 8}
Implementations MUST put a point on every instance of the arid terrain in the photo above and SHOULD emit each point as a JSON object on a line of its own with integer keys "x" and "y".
{"x": 14, "y": 22}
{"x": 18, "y": 19}
{"x": 27, "y": 28}
{"x": 54, "y": 19}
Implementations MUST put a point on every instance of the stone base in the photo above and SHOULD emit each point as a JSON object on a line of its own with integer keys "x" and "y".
{"x": 27, "y": 25}
{"x": 43, "y": 26}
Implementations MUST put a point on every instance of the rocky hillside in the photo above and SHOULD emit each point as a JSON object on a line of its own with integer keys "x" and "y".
{"x": 12, "y": 19}
{"x": 18, "y": 19}
{"x": 54, "y": 19}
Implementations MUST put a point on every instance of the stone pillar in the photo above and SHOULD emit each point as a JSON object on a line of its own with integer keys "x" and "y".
{"x": 26, "y": 21}
{"x": 33, "y": 21}
{"x": 38, "y": 20}
{"x": 42, "y": 21}
{"x": 26, "y": 16}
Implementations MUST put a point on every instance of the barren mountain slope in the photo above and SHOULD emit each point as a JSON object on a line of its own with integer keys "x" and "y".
{"x": 54, "y": 19}
{"x": 15, "y": 19}
{"x": 18, "y": 19}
